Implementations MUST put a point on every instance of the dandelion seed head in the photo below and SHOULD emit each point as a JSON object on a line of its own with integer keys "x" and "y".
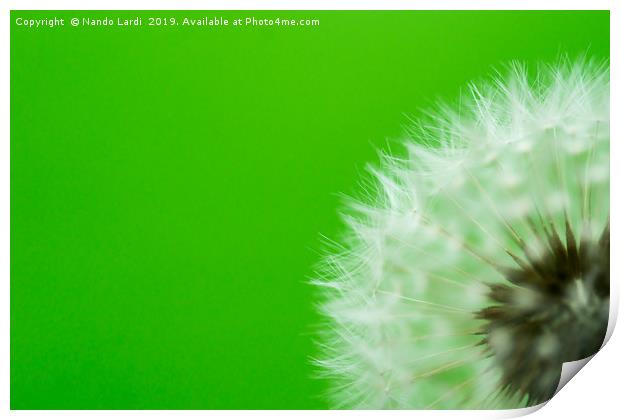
{"x": 481, "y": 262}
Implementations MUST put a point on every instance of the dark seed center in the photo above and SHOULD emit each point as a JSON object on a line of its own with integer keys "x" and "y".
{"x": 553, "y": 310}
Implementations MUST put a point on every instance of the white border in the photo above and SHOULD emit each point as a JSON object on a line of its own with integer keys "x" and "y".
{"x": 594, "y": 392}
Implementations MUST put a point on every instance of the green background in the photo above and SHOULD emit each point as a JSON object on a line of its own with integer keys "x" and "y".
{"x": 169, "y": 187}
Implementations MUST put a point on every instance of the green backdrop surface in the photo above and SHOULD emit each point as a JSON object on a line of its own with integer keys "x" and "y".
{"x": 169, "y": 186}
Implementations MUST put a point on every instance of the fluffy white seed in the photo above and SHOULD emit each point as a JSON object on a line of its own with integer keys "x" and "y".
{"x": 401, "y": 293}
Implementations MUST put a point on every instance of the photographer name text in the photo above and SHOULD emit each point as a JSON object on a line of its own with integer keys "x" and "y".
{"x": 137, "y": 21}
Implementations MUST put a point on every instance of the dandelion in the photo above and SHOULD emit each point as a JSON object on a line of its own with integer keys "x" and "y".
{"x": 479, "y": 262}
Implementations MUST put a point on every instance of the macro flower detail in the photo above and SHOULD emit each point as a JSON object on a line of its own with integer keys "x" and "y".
{"x": 478, "y": 262}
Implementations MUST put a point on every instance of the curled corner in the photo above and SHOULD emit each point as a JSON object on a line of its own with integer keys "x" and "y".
{"x": 569, "y": 370}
